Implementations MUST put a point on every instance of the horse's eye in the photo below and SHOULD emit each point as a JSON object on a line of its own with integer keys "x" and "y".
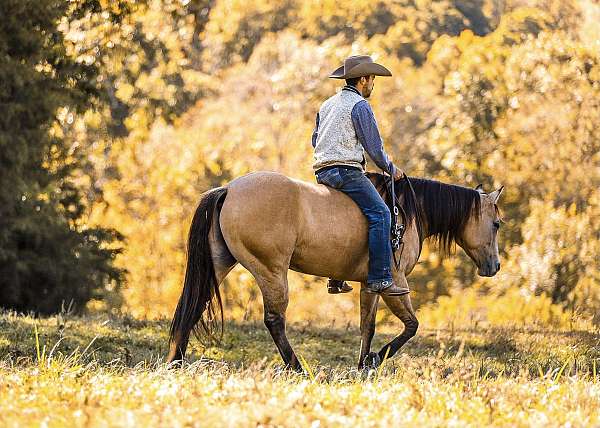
{"x": 497, "y": 224}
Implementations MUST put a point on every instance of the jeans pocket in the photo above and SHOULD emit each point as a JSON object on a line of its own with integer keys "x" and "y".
{"x": 330, "y": 178}
{"x": 348, "y": 175}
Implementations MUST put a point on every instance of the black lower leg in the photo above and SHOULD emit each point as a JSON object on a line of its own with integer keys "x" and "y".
{"x": 368, "y": 309}
{"x": 178, "y": 348}
{"x": 276, "y": 325}
{"x": 365, "y": 347}
{"x": 410, "y": 329}
{"x": 179, "y": 352}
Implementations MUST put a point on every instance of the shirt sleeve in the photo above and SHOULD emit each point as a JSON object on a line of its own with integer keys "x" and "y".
{"x": 315, "y": 133}
{"x": 367, "y": 132}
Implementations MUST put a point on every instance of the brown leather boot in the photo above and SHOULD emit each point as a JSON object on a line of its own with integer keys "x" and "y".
{"x": 335, "y": 286}
{"x": 386, "y": 288}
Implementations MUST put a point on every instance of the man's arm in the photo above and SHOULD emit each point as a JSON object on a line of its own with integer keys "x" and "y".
{"x": 315, "y": 132}
{"x": 368, "y": 135}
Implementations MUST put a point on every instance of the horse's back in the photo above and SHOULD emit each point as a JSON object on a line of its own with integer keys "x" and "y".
{"x": 309, "y": 207}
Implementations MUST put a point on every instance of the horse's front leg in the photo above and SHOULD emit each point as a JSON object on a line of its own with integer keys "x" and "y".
{"x": 401, "y": 306}
{"x": 368, "y": 310}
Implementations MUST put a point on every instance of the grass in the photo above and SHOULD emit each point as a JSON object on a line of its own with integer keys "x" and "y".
{"x": 109, "y": 372}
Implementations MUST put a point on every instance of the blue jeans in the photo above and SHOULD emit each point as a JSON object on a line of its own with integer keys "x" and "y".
{"x": 355, "y": 184}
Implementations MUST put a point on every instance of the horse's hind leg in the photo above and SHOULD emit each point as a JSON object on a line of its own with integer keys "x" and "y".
{"x": 401, "y": 306}
{"x": 368, "y": 311}
{"x": 274, "y": 289}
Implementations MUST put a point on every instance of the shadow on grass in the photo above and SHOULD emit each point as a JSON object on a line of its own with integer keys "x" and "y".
{"x": 327, "y": 346}
{"x": 130, "y": 342}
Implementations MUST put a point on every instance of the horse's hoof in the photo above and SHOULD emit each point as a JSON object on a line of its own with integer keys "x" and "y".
{"x": 175, "y": 364}
{"x": 371, "y": 361}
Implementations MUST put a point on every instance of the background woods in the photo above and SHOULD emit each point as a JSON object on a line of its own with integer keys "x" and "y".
{"x": 48, "y": 252}
{"x": 116, "y": 116}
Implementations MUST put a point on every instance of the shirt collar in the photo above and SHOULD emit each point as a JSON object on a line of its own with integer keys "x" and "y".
{"x": 352, "y": 89}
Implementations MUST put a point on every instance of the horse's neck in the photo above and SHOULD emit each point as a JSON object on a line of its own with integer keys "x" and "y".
{"x": 429, "y": 228}
{"x": 444, "y": 215}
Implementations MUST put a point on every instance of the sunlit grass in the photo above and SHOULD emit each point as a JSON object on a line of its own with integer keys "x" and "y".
{"x": 99, "y": 372}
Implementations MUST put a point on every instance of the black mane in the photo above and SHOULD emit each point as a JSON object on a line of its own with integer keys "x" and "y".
{"x": 440, "y": 211}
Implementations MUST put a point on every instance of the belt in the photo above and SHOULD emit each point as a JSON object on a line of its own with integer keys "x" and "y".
{"x": 327, "y": 168}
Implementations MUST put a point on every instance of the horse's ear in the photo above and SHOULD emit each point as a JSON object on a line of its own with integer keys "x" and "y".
{"x": 495, "y": 195}
{"x": 479, "y": 188}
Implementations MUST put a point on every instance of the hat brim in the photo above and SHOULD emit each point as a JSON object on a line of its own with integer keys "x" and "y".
{"x": 364, "y": 69}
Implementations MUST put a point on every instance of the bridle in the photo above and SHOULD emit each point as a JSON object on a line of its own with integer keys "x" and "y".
{"x": 398, "y": 229}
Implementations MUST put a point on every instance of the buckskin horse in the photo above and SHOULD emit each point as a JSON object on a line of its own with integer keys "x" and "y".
{"x": 270, "y": 223}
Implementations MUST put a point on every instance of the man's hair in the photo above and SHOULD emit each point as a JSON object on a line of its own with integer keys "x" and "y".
{"x": 352, "y": 81}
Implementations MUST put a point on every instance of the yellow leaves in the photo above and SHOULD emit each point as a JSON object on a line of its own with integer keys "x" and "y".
{"x": 453, "y": 82}
{"x": 125, "y": 92}
{"x": 517, "y": 307}
{"x": 443, "y": 51}
{"x": 317, "y": 17}
{"x": 517, "y": 106}
{"x": 517, "y": 26}
{"x": 465, "y": 39}
{"x": 112, "y": 6}
{"x": 511, "y": 308}
{"x": 557, "y": 257}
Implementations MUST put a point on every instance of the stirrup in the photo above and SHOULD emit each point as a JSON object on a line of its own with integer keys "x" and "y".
{"x": 335, "y": 286}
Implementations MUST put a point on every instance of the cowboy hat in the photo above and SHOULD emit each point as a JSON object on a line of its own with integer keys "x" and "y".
{"x": 358, "y": 66}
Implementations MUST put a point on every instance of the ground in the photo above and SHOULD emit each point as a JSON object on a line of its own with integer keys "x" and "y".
{"x": 103, "y": 371}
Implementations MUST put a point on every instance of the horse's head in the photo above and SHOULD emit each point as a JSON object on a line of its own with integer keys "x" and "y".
{"x": 479, "y": 237}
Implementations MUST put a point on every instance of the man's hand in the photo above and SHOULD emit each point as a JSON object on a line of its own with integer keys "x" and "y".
{"x": 398, "y": 173}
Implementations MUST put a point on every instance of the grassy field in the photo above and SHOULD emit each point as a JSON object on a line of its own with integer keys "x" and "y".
{"x": 109, "y": 372}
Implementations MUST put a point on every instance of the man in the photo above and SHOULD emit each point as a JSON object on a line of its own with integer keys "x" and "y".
{"x": 345, "y": 129}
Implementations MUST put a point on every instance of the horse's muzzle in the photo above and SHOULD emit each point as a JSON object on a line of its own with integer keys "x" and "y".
{"x": 489, "y": 269}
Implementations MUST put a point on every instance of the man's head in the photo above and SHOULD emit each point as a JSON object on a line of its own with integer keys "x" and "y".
{"x": 364, "y": 84}
{"x": 360, "y": 71}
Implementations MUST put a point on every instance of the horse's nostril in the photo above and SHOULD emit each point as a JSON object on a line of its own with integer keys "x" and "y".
{"x": 498, "y": 266}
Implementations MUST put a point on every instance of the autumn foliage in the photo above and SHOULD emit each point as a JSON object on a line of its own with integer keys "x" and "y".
{"x": 194, "y": 93}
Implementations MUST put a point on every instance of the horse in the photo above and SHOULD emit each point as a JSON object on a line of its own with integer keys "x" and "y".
{"x": 270, "y": 223}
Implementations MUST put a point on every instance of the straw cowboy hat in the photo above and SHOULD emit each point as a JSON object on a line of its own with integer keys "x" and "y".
{"x": 358, "y": 66}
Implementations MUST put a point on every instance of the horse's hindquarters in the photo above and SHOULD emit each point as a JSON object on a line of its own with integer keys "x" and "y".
{"x": 258, "y": 221}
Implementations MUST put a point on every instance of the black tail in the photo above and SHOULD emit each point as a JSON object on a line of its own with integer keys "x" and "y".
{"x": 200, "y": 299}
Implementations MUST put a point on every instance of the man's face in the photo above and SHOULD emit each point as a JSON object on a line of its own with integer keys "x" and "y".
{"x": 368, "y": 86}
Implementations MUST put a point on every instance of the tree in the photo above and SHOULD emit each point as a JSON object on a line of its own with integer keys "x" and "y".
{"x": 47, "y": 254}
